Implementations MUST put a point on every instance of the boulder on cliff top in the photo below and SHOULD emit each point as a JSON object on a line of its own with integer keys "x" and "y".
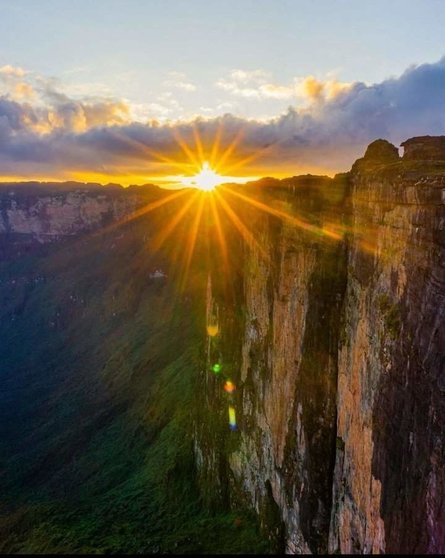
{"x": 378, "y": 152}
{"x": 381, "y": 151}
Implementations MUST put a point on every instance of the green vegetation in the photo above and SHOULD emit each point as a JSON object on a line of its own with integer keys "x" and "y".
{"x": 98, "y": 367}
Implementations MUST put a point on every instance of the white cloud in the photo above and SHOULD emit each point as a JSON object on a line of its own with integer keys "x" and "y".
{"x": 179, "y": 80}
{"x": 14, "y": 83}
{"x": 12, "y": 71}
{"x": 249, "y": 76}
{"x": 254, "y": 84}
{"x": 257, "y": 84}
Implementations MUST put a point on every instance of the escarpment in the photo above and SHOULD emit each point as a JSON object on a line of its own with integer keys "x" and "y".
{"x": 282, "y": 355}
{"x": 334, "y": 339}
{"x": 314, "y": 407}
{"x": 389, "y": 474}
{"x": 41, "y": 213}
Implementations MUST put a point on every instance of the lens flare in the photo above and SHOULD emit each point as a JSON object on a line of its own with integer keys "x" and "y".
{"x": 232, "y": 418}
{"x": 212, "y": 330}
{"x": 229, "y": 387}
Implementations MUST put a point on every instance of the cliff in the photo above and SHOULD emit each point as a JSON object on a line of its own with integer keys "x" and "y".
{"x": 389, "y": 473}
{"x": 336, "y": 345}
{"x": 424, "y": 148}
{"x": 40, "y": 213}
{"x": 313, "y": 408}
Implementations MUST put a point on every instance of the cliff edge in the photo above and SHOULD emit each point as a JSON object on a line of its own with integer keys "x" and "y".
{"x": 338, "y": 361}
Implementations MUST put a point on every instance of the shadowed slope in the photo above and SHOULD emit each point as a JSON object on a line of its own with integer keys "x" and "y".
{"x": 98, "y": 365}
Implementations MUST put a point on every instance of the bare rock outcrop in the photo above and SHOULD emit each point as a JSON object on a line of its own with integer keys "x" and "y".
{"x": 338, "y": 363}
{"x": 424, "y": 148}
{"x": 379, "y": 152}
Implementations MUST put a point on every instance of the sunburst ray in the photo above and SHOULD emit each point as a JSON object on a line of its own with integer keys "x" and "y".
{"x": 143, "y": 211}
{"x": 172, "y": 224}
{"x": 198, "y": 144}
{"x": 216, "y": 143}
{"x": 191, "y": 243}
{"x": 242, "y": 228}
{"x": 252, "y": 157}
{"x": 292, "y": 219}
{"x": 186, "y": 149}
{"x": 229, "y": 150}
{"x": 220, "y": 233}
{"x": 147, "y": 151}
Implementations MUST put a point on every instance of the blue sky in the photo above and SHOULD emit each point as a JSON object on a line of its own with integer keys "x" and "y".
{"x": 98, "y": 88}
{"x": 135, "y": 48}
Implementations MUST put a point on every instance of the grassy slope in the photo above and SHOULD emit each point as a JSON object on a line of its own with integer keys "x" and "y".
{"x": 97, "y": 372}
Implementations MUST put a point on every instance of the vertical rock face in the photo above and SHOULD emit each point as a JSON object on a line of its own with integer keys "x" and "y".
{"x": 339, "y": 364}
{"x": 389, "y": 475}
{"x": 283, "y": 359}
{"x": 425, "y": 148}
{"x": 43, "y": 213}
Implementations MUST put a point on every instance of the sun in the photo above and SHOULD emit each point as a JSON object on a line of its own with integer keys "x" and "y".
{"x": 206, "y": 179}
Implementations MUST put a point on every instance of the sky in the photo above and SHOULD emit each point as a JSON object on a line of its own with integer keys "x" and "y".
{"x": 143, "y": 90}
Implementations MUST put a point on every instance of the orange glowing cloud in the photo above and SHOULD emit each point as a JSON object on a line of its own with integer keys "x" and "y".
{"x": 45, "y": 132}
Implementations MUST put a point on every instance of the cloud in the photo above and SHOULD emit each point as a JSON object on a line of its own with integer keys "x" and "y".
{"x": 257, "y": 84}
{"x": 246, "y": 76}
{"x": 32, "y": 104}
{"x": 314, "y": 89}
{"x": 326, "y": 134}
{"x": 179, "y": 80}
{"x": 12, "y": 71}
{"x": 14, "y": 82}
{"x": 65, "y": 116}
{"x": 254, "y": 84}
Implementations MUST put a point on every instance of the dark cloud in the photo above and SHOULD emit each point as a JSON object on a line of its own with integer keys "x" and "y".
{"x": 328, "y": 134}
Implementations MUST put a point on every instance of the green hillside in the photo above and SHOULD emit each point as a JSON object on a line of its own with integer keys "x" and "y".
{"x": 98, "y": 367}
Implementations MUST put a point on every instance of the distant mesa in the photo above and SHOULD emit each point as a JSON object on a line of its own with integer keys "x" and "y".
{"x": 424, "y": 148}
{"x": 265, "y": 182}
